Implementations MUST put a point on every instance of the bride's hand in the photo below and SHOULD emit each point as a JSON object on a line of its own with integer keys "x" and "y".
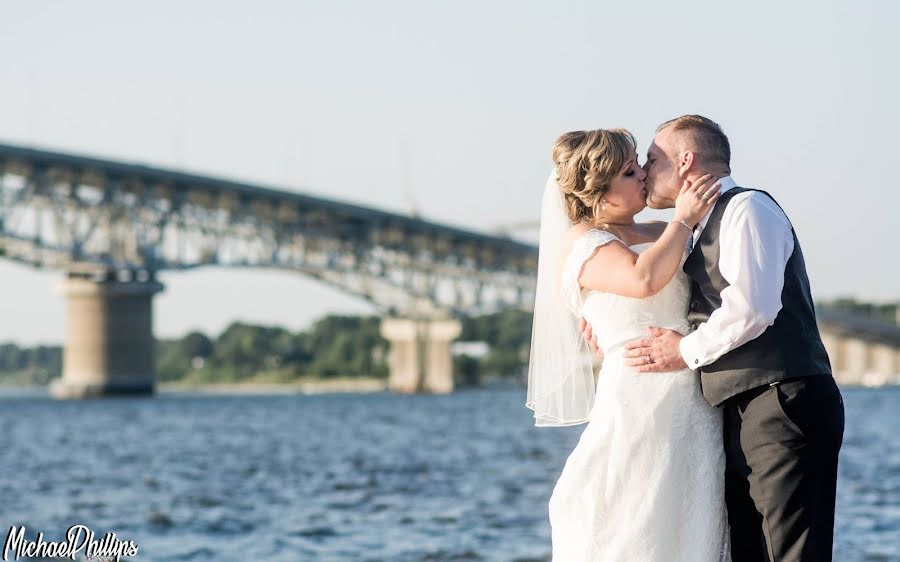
{"x": 696, "y": 198}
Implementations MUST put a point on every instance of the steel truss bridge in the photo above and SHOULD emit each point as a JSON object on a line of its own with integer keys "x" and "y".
{"x": 96, "y": 217}
{"x": 112, "y": 226}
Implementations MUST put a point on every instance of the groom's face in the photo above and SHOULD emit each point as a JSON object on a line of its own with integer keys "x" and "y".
{"x": 663, "y": 180}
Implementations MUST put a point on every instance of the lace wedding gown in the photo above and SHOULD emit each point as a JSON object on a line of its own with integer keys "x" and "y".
{"x": 646, "y": 480}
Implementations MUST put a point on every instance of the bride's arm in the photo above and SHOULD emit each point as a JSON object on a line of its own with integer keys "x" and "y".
{"x": 614, "y": 268}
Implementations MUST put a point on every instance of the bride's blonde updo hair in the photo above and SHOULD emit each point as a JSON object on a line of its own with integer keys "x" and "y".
{"x": 586, "y": 163}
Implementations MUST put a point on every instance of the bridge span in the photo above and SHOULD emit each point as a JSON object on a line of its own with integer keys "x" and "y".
{"x": 110, "y": 227}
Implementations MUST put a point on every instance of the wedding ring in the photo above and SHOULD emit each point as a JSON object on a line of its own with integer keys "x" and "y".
{"x": 649, "y": 359}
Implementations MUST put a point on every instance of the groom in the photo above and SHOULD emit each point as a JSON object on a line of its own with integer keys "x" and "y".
{"x": 755, "y": 341}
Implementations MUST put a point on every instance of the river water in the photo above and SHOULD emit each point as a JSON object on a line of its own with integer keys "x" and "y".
{"x": 347, "y": 477}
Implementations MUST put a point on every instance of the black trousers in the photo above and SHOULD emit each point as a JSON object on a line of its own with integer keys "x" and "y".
{"x": 781, "y": 451}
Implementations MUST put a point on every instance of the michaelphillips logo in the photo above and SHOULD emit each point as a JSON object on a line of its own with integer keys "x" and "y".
{"x": 78, "y": 539}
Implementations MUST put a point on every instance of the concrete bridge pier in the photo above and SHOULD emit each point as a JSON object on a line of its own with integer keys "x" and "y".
{"x": 109, "y": 347}
{"x": 419, "y": 358}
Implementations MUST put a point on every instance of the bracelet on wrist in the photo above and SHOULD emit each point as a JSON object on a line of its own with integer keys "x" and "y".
{"x": 684, "y": 223}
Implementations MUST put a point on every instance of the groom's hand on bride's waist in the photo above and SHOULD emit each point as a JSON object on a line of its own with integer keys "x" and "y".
{"x": 589, "y": 337}
{"x": 657, "y": 353}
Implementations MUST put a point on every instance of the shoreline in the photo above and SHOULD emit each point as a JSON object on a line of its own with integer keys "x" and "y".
{"x": 358, "y": 385}
{"x": 337, "y": 385}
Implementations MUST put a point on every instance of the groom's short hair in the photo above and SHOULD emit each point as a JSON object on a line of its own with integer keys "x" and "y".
{"x": 704, "y": 137}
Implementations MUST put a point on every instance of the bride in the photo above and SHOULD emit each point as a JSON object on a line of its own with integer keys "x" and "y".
{"x": 646, "y": 480}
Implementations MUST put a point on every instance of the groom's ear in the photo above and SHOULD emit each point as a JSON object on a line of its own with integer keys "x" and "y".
{"x": 686, "y": 161}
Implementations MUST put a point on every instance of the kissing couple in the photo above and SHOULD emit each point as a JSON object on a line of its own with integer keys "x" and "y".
{"x": 714, "y": 425}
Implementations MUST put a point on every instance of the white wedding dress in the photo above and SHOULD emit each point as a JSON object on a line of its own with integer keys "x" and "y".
{"x": 646, "y": 479}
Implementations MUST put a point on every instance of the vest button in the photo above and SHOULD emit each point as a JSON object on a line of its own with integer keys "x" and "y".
{"x": 693, "y": 305}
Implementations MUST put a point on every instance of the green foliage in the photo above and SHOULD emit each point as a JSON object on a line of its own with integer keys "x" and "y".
{"x": 244, "y": 349}
{"x": 508, "y": 334}
{"x": 468, "y": 370}
{"x": 333, "y": 346}
{"x": 174, "y": 358}
{"x": 36, "y": 365}
{"x": 347, "y": 345}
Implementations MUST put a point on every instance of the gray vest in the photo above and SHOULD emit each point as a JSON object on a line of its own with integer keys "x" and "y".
{"x": 789, "y": 348}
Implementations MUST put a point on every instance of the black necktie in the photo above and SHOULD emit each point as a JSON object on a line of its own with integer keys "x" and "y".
{"x": 690, "y": 243}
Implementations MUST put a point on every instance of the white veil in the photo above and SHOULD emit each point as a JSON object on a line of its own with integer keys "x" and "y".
{"x": 560, "y": 372}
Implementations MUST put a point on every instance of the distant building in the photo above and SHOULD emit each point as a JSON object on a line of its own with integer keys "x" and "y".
{"x": 476, "y": 349}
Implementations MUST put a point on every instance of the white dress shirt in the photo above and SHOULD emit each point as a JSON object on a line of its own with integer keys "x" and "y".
{"x": 755, "y": 243}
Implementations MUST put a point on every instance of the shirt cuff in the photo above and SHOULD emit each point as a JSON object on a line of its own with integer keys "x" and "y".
{"x": 688, "y": 346}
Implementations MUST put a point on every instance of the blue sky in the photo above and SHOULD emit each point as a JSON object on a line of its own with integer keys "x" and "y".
{"x": 450, "y": 109}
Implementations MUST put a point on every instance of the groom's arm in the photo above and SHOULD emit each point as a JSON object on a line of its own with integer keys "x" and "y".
{"x": 755, "y": 243}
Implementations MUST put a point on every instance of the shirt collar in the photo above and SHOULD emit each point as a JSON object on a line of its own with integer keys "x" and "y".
{"x": 725, "y": 184}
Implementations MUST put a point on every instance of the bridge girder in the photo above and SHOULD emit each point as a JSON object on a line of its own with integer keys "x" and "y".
{"x": 94, "y": 216}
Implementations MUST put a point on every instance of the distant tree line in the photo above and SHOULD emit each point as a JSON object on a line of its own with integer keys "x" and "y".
{"x": 508, "y": 335}
{"x": 886, "y": 312}
{"x": 333, "y": 346}
{"x": 32, "y": 365}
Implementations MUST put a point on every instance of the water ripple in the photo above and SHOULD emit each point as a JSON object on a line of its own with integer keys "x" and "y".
{"x": 462, "y": 477}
